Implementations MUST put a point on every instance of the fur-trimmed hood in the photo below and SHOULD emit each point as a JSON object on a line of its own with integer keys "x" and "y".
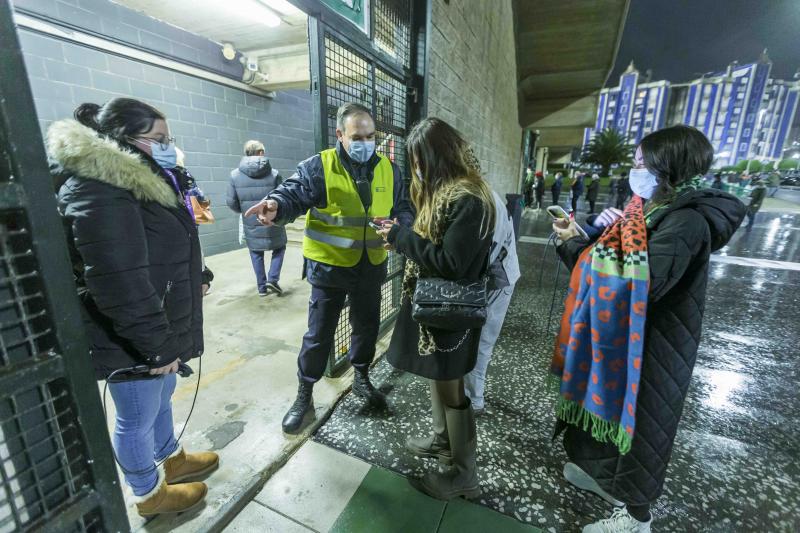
{"x": 82, "y": 151}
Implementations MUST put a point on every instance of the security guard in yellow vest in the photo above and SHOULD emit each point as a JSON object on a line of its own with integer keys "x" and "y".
{"x": 340, "y": 190}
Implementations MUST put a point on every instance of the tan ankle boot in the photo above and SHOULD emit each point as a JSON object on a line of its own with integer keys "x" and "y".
{"x": 182, "y": 466}
{"x": 171, "y": 498}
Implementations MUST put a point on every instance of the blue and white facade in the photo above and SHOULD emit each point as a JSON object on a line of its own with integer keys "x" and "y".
{"x": 745, "y": 113}
{"x": 633, "y": 108}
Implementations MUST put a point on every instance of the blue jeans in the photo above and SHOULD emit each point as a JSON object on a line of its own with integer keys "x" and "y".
{"x": 144, "y": 433}
{"x": 257, "y": 257}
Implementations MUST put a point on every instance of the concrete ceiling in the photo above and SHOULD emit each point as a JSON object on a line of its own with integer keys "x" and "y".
{"x": 282, "y": 51}
{"x": 565, "y": 52}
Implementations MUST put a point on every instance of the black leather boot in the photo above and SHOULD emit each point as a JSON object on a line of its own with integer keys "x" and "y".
{"x": 363, "y": 388}
{"x": 302, "y": 405}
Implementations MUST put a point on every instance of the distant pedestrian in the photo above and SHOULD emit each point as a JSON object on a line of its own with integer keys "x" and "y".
{"x": 528, "y": 185}
{"x": 555, "y": 189}
{"x": 717, "y": 183}
{"x": 577, "y": 191}
{"x": 538, "y": 189}
{"x": 774, "y": 183}
{"x": 757, "y": 196}
{"x": 592, "y": 192}
{"x": 249, "y": 184}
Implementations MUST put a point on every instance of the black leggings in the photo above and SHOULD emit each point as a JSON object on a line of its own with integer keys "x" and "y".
{"x": 639, "y": 512}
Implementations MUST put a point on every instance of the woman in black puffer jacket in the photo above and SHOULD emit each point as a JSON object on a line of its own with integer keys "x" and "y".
{"x": 137, "y": 264}
{"x": 685, "y": 224}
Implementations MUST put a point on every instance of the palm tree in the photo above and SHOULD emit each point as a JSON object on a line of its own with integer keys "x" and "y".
{"x": 609, "y": 147}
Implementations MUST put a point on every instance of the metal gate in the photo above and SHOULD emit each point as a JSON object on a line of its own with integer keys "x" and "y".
{"x": 377, "y": 72}
{"x": 56, "y": 466}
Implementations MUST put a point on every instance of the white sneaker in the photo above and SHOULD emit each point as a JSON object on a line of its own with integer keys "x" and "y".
{"x": 576, "y": 476}
{"x": 620, "y": 522}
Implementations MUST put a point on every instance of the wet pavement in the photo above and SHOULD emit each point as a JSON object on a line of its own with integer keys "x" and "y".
{"x": 736, "y": 461}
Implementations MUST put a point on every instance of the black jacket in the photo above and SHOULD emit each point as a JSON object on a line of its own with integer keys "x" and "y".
{"x": 134, "y": 250}
{"x": 593, "y": 190}
{"x": 681, "y": 239}
{"x": 577, "y": 186}
{"x": 462, "y": 255}
{"x": 306, "y": 189}
{"x": 249, "y": 184}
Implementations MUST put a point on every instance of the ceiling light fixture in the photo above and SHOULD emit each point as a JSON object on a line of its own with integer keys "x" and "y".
{"x": 283, "y": 7}
{"x": 257, "y": 11}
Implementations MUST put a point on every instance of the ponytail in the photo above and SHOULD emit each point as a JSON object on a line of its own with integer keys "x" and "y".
{"x": 119, "y": 118}
{"x": 87, "y": 114}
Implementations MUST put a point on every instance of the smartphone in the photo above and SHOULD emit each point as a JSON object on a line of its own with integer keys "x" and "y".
{"x": 376, "y": 225}
{"x": 557, "y": 213}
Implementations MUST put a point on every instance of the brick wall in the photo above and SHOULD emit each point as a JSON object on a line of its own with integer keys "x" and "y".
{"x": 210, "y": 122}
{"x": 473, "y": 82}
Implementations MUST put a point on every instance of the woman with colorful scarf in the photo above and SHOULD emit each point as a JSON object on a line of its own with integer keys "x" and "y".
{"x": 450, "y": 239}
{"x": 630, "y": 331}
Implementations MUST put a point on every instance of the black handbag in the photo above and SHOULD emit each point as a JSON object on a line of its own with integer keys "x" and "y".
{"x": 450, "y": 305}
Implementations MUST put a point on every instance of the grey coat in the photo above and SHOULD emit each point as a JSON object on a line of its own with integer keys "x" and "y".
{"x": 250, "y": 183}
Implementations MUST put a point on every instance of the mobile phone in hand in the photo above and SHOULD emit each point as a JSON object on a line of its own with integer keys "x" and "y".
{"x": 376, "y": 225}
{"x": 557, "y": 213}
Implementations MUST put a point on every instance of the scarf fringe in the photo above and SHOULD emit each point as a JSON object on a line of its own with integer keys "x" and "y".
{"x": 573, "y": 413}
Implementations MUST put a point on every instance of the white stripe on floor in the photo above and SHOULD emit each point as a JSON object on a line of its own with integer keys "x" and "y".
{"x": 757, "y": 263}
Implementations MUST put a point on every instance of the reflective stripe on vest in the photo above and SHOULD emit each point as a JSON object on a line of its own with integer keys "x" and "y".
{"x": 338, "y": 234}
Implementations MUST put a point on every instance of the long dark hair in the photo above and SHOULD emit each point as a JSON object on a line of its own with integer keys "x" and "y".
{"x": 447, "y": 171}
{"x": 119, "y": 118}
{"x": 675, "y": 155}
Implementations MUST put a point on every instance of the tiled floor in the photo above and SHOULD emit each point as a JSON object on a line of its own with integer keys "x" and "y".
{"x": 321, "y": 489}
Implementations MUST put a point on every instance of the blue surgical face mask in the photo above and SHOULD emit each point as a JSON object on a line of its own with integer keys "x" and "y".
{"x": 361, "y": 151}
{"x": 165, "y": 157}
{"x": 643, "y": 183}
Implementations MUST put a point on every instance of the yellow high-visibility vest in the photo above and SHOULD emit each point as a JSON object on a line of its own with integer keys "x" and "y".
{"x": 338, "y": 234}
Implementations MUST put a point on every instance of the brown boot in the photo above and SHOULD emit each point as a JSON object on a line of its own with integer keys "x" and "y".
{"x": 183, "y": 466}
{"x": 171, "y": 498}
{"x": 437, "y": 444}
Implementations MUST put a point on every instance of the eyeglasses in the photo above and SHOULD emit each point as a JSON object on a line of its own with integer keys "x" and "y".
{"x": 163, "y": 142}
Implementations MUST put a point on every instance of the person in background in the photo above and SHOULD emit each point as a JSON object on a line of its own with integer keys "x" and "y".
{"x": 253, "y": 180}
{"x": 623, "y": 190}
{"x": 340, "y": 190}
{"x": 774, "y": 183}
{"x": 528, "y": 184}
{"x": 555, "y": 189}
{"x": 757, "y": 195}
{"x": 717, "y": 183}
{"x": 538, "y": 187}
{"x": 577, "y": 190}
{"x": 450, "y": 239}
{"x": 504, "y": 273}
{"x": 592, "y": 191}
{"x": 632, "y": 323}
{"x": 137, "y": 265}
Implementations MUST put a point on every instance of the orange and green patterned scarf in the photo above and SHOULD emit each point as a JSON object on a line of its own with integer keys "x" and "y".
{"x": 598, "y": 352}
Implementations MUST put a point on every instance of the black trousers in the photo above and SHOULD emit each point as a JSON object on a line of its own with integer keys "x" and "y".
{"x": 591, "y": 205}
{"x": 324, "y": 309}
